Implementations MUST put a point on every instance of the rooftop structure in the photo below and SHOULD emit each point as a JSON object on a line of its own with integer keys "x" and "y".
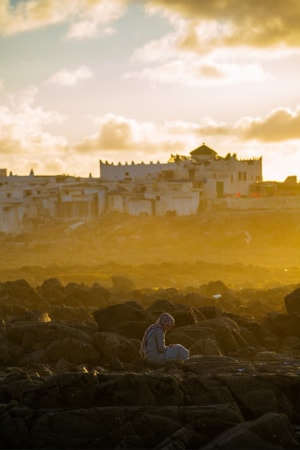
{"x": 219, "y": 175}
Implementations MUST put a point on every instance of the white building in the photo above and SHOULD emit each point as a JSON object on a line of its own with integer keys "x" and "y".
{"x": 215, "y": 176}
{"x": 28, "y": 200}
{"x": 158, "y": 198}
{"x": 182, "y": 186}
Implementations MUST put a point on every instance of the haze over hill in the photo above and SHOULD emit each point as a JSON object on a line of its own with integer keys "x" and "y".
{"x": 240, "y": 248}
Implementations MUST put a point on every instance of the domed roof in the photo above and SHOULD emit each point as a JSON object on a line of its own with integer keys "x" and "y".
{"x": 203, "y": 150}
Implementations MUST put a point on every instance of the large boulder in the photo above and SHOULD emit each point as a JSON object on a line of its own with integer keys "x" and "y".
{"x": 206, "y": 346}
{"x": 189, "y": 335}
{"x": 210, "y": 311}
{"x": 259, "y": 395}
{"x": 73, "y": 350}
{"x": 122, "y": 283}
{"x": 132, "y": 329}
{"x": 270, "y": 431}
{"x": 229, "y": 339}
{"x": 10, "y": 307}
{"x": 35, "y": 342}
{"x": 112, "y": 345}
{"x": 22, "y": 291}
{"x": 162, "y": 305}
{"x": 292, "y": 303}
{"x": 111, "y": 317}
{"x": 281, "y": 325}
{"x": 51, "y": 283}
{"x": 77, "y": 295}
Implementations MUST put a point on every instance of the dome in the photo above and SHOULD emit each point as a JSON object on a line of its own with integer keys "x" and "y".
{"x": 203, "y": 150}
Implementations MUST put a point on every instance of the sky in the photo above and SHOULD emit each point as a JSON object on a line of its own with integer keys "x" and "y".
{"x": 129, "y": 80}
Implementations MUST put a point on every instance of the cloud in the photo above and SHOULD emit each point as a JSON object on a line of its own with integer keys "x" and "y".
{"x": 124, "y": 137}
{"x": 88, "y": 30}
{"x": 65, "y": 77}
{"x": 22, "y": 126}
{"x": 281, "y": 124}
{"x": 174, "y": 58}
{"x": 215, "y": 23}
{"x": 86, "y": 18}
{"x": 94, "y": 18}
{"x": 193, "y": 73}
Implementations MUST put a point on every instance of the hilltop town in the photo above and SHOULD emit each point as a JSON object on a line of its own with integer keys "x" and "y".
{"x": 189, "y": 185}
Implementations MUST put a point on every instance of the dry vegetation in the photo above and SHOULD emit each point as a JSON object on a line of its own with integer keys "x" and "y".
{"x": 243, "y": 249}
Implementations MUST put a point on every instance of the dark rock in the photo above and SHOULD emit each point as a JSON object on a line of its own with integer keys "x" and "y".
{"x": 162, "y": 305}
{"x": 271, "y": 431}
{"x": 111, "y": 317}
{"x": 15, "y": 426}
{"x": 73, "y": 350}
{"x": 51, "y": 283}
{"x": 189, "y": 335}
{"x": 205, "y": 346}
{"x": 80, "y": 296}
{"x": 101, "y": 292}
{"x": 71, "y": 313}
{"x": 211, "y": 311}
{"x": 11, "y": 307}
{"x": 226, "y": 338}
{"x": 185, "y": 317}
{"x": 116, "y": 364}
{"x": 122, "y": 283}
{"x": 282, "y": 325}
{"x": 21, "y": 290}
{"x": 132, "y": 329}
{"x": 4, "y": 353}
{"x": 215, "y": 287}
{"x": 112, "y": 345}
{"x": 292, "y": 303}
{"x": 259, "y": 395}
{"x": 249, "y": 337}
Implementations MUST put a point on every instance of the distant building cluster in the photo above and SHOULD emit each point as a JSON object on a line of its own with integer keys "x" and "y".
{"x": 185, "y": 185}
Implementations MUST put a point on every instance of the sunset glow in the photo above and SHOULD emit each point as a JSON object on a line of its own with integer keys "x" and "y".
{"x": 124, "y": 80}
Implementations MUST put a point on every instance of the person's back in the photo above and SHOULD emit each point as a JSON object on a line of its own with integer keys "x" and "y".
{"x": 153, "y": 347}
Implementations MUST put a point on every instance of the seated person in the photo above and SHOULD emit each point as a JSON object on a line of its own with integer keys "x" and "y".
{"x": 153, "y": 347}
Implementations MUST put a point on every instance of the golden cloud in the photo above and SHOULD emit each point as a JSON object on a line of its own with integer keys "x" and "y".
{"x": 235, "y": 22}
{"x": 85, "y": 16}
{"x": 280, "y": 125}
{"x": 118, "y": 134}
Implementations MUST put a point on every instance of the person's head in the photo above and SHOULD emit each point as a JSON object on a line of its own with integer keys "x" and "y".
{"x": 166, "y": 321}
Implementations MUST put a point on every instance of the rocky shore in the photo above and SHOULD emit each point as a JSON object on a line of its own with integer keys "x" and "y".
{"x": 71, "y": 375}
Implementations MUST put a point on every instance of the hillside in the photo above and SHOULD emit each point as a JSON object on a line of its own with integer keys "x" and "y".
{"x": 246, "y": 248}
